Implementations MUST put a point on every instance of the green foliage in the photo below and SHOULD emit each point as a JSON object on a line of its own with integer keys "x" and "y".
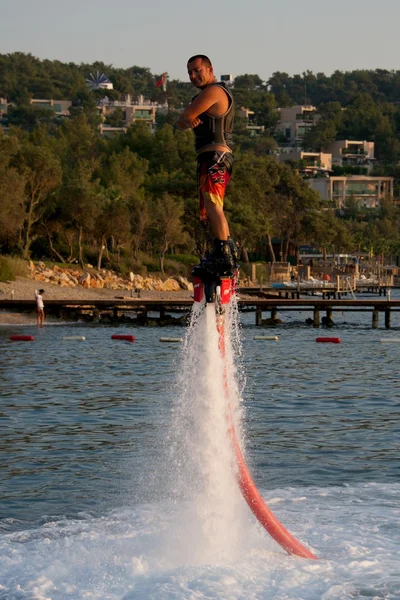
{"x": 6, "y": 270}
{"x": 185, "y": 259}
{"x": 129, "y": 202}
{"x": 11, "y": 268}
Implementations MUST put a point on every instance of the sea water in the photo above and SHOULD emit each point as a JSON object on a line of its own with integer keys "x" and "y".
{"x": 118, "y": 479}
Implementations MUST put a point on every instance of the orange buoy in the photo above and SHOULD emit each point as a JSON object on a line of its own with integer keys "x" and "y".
{"x": 21, "y": 338}
{"x": 127, "y": 338}
{"x": 329, "y": 340}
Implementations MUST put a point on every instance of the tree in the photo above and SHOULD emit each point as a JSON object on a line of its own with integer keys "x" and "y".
{"x": 165, "y": 154}
{"x": 81, "y": 204}
{"x": 326, "y": 129}
{"x": 291, "y": 201}
{"x": 326, "y": 231}
{"x": 126, "y": 172}
{"x": 112, "y": 222}
{"x": 12, "y": 188}
{"x": 169, "y": 230}
{"x": 248, "y": 200}
{"x": 116, "y": 118}
{"x": 42, "y": 173}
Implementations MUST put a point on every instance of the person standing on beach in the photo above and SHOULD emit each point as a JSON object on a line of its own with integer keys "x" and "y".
{"x": 39, "y": 307}
{"x": 210, "y": 115}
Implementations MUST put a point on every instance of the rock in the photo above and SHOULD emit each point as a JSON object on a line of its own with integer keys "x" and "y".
{"x": 327, "y": 321}
{"x": 171, "y": 285}
{"x": 184, "y": 284}
{"x": 84, "y": 280}
{"x": 72, "y": 277}
{"x": 271, "y": 322}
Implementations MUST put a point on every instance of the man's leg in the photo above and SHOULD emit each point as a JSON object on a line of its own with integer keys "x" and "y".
{"x": 213, "y": 177}
{"x": 218, "y": 223}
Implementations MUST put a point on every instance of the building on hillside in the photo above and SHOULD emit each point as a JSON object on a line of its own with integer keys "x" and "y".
{"x": 313, "y": 164}
{"x": 59, "y": 107}
{"x": 351, "y": 153}
{"x": 366, "y": 191}
{"x": 294, "y": 122}
{"x": 3, "y": 106}
{"x": 108, "y": 131}
{"x": 248, "y": 116}
{"x": 140, "y": 110}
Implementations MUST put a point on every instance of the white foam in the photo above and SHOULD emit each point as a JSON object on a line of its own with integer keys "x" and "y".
{"x": 124, "y": 554}
{"x": 200, "y": 540}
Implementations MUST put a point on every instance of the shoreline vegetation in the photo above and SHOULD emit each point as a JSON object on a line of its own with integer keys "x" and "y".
{"x": 127, "y": 201}
{"x": 75, "y": 284}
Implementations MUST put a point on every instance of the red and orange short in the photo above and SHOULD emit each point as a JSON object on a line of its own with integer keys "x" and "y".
{"x": 214, "y": 171}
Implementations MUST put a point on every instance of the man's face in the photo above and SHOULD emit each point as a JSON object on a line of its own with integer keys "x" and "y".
{"x": 199, "y": 74}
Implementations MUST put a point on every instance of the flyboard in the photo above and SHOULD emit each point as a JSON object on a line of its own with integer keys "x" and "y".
{"x": 212, "y": 288}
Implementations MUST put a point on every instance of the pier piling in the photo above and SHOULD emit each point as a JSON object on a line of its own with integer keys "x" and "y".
{"x": 103, "y": 309}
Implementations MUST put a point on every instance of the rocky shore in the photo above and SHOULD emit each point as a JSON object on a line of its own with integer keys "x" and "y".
{"x": 89, "y": 284}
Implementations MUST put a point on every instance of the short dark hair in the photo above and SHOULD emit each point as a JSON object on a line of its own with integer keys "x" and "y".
{"x": 203, "y": 58}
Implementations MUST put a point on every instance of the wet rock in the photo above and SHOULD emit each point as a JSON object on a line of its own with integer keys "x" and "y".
{"x": 327, "y": 321}
{"x": 271, "y": 322}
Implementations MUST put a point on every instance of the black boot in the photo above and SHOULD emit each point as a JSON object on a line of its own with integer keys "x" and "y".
{"x": 234, "y": 250}
{"x": 221, "y": 260}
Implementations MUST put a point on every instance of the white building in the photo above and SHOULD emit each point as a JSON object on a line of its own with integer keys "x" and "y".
{"x": 294, "y": 122}
{"x": 314, "y": 164}
{"x": 352, "y": 153}
{"x": 59, "y": 107}
{"x": 367, "y": 191}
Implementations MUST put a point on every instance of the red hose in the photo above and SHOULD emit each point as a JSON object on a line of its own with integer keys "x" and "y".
{"x": 247, "y": 486}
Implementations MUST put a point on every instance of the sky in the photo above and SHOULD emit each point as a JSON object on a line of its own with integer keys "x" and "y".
{"x": 247, "y": 36}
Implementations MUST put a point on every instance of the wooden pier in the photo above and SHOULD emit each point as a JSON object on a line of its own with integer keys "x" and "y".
{"x": 114, "y": 308}
{"x": 326, "y": 291}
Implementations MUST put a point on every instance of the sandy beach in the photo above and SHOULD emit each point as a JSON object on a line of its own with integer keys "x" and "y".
{"x": 24, "y": 289}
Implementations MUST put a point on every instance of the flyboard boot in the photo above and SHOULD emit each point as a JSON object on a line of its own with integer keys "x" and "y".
{"x": 215, "y": 276}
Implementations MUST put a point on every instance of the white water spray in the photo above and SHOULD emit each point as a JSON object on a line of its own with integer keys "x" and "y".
{"x": 203, "y": 466}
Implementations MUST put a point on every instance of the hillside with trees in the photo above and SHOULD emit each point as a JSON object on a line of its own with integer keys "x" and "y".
{"x": 129, "y": 202}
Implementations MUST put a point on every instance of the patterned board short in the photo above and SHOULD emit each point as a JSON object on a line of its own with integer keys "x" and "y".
{"x": 214, "y": 171}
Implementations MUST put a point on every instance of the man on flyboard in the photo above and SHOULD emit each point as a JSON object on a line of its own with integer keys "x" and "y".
{"x": 210, "y": 115}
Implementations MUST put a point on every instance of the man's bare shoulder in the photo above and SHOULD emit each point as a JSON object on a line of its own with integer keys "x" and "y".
{"x": 211, "y": 95}
{"x": 214, "y": 90}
